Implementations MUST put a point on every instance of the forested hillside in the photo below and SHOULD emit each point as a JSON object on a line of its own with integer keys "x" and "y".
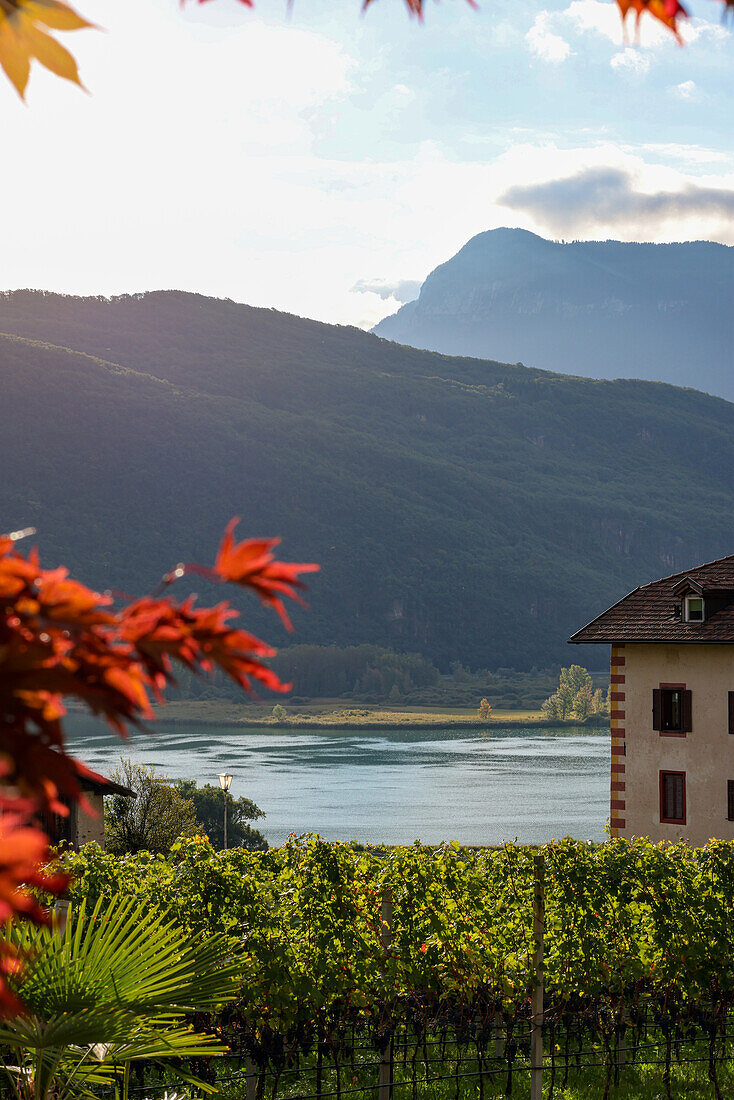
{"x": 601, "y": 309}
{"x": 462, "y": 509}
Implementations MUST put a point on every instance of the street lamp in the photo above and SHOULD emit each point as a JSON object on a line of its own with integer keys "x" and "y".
{"x": 225, "y": 782}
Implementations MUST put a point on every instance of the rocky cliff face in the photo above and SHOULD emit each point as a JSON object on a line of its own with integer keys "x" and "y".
{"x": 599, "y": 309}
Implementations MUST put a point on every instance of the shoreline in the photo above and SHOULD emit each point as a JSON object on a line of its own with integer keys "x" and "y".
{"x": 387, "y": 726}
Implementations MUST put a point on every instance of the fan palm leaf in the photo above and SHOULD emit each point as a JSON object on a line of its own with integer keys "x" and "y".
{"x": 109, "y": 987}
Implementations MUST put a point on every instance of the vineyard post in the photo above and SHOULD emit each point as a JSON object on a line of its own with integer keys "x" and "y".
{"x": 499, "y": 1036}
{"x": 251, "y": 1087}
{"x": 384, "y": 1084}
{"x": 536, "y": 1034}
{"x": 622, "y": 1044}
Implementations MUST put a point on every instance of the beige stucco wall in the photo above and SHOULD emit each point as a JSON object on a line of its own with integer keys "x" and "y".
{"x": 86, "y": 829}
{"x": 706, "y": 754}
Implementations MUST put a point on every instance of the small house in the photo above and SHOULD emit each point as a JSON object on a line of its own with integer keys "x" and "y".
{"x": 78, "y": 827}
{"x": 672, "y": 705}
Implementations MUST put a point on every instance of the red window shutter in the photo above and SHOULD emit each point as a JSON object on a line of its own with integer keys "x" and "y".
{"x": 731, "y": 712}
{"x": 657, "y": 709}
{"x": 686, "y": 712}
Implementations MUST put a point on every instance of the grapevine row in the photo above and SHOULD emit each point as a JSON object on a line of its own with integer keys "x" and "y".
{"x": 639, "y": 944}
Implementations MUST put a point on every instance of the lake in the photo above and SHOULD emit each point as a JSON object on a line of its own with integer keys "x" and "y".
{"x": 393, "y": 787}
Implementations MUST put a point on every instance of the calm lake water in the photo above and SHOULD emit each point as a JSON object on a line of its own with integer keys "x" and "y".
{"x": 391, "y": 787}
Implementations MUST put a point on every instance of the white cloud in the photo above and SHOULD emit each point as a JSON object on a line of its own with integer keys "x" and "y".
{"x": 597, "y": 16}
{"x": 673, "y": 152}
{"x": 703, "y": 30}
{"x": 405, "y": 290}
{"x": 631, "y": 61}
{"x": 687, "y": 90}
{"x": 544, "y": 43}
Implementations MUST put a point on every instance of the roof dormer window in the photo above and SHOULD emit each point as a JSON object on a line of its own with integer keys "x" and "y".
{"x": 694, "y": 609}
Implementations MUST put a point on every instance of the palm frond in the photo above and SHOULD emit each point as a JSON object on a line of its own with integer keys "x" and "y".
{"x": 110, "y": 987}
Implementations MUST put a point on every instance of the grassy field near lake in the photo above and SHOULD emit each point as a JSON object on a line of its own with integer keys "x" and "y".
{"x": 338, "y": 714}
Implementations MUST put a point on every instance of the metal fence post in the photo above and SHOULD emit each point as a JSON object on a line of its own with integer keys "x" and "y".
{"x": 384, "y": 1083}
{"x": 536, "y": 1035}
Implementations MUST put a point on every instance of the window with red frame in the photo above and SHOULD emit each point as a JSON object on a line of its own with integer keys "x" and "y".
{"x": 671, "y": 710}
{"x": 673, "y": 797}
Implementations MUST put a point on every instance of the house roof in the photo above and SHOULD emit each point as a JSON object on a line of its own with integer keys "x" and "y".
{"x": 651, "y": 613}
{"x": 93, "y": 781}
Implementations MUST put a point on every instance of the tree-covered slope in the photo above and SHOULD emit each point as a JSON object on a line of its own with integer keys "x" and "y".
{"x": 465, "y": 509}
{"x": 602, "y": 309}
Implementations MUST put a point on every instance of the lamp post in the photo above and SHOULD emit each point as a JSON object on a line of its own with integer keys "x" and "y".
{"x": 225, "y": 781}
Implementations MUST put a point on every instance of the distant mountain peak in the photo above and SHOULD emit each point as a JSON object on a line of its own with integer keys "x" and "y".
{"x": 599, "y": 309}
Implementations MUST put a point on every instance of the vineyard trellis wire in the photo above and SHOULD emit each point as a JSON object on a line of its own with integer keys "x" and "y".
{"x": 637, "y": 950}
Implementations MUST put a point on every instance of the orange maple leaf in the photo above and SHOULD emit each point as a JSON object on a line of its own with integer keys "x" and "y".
{"x": 668, "y": 12}
{"x": 252, "y": 564}
{"x": 24, "y": 26}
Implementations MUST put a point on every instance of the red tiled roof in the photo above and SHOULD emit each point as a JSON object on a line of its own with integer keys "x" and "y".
{"x": 648, "y": 613}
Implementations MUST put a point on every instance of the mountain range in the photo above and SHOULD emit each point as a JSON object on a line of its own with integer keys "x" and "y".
{"x": 465, "y": 509}
{"x": 599, "y": 309}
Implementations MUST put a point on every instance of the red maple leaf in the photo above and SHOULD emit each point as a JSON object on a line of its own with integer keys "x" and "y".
{"x": 60, "y": 639}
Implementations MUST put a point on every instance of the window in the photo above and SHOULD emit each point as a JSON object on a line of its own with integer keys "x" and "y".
{"x": 731, "y": 712}
{"x": 671, "y": 709}
{"x": 673, "y": 797}
{"x": 730, "y": 799}
{"x": 694, "y": 609}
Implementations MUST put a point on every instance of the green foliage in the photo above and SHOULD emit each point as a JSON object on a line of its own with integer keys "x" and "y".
{"x": 638, "y": 936}
{"x": 154, "y": 819}
{"x": 208, "y": 803}
{"x": 366, "y": 672}
{"x": 376, "y": 459}
{"x": 624, "y": 920}
{"x": 372, "y": 674}
{"x": 279, "y": 712}
{"x": 112, "y": 985}
{"x": 575, "y": 697}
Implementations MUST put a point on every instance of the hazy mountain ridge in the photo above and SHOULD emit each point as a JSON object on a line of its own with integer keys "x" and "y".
{"x": 599, "y": 309}
{"x": 461, "y": 508}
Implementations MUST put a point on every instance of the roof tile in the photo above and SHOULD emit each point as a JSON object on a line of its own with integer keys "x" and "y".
{"x": 647, "y": 614}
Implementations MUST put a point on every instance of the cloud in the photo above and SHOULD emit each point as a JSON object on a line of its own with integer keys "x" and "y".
{"x": 597, "y": 17}
{"x": 544, "y": 43}
{"x": 406, "y": 290}
{"x": 695, "y": 155}
{"x": 631, "y": 61}
{"x": 611, "y": 197}
{"x": 687, "y": 90}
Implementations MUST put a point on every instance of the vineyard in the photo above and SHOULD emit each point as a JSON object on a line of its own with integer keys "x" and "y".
{"x": 380, "y": 972}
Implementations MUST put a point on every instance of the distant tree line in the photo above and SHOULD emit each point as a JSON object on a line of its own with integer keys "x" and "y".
{"x": 366, "y": 672}
{"x": 376, "y": 674}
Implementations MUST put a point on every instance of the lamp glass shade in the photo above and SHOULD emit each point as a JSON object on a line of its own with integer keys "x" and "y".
{"x": 225, "y": 782}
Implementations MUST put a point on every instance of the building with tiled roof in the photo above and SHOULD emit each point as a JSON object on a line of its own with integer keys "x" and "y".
{"x": 79, "y": 827}
{"x": 672, "y": 705}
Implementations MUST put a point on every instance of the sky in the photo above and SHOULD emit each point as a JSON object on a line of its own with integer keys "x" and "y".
{"x": 323, "y": 162}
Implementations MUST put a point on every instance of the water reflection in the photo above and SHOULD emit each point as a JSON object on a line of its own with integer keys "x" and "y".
{"x": 391, "y": 787}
